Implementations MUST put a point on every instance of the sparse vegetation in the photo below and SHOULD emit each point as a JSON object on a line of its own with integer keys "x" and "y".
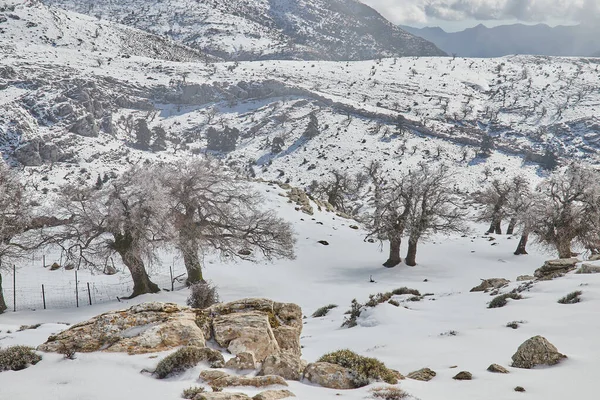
{"x": 571, "y": 298}
{"x": 181, "y": 360}
{"x": 202, "y": 295}
{"x": 192, "y": 392}
{"x": 16, "y": 358}
{"x": 388, "y": 393}
{"x": 405, "y": 290}
{"x": 501, "y": 300}
{"x": 365, "y": 370}
{"x": 323, "y": 311}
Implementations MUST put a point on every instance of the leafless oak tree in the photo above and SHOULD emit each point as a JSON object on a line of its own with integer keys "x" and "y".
{"x": 493, "y": 199}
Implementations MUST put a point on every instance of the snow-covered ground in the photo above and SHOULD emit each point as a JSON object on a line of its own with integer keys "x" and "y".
{"x": 407, "y": 338}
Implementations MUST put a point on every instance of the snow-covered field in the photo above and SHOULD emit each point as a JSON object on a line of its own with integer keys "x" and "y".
{"x": 407, "y": 338}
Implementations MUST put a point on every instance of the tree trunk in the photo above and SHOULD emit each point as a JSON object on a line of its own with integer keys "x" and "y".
{"x": 492, "y": 227}
{"x": 564, "y": 248}
{"x": 521, "y": 248}
{"x": 2, "y": 302}
{"x": 132, "y": 260}
{"x": 498, "y": 227}
{"x": 511, "y": 226}
{"x": 394, "y": 258}
{"x": 193, "y": 267}
{"x": 411, "y": 255}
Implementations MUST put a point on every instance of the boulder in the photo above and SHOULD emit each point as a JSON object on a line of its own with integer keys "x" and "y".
{"x": 242, "y": 361}
{"x": 221, "y": 396}
{"x": 522, "y": 278}
{"x": 144, "y": 328}
{"x": 329, "y": 375}
{"x": 274, "y": 395}
{"x": 588, "y": 269}
{"x": 497, "y": 368}
{"x": 28, "y": 154}
{"x": 463, "y": 376}
{"x": 536, "y": 351}
{"x": 223, "y": 379}
{"x": 594, "y": 257}
{"x": 286, "y": 365}
{"x": 424, "y": 374}
{"x": 555, "y": 268}
{"x": 489, "y": 284}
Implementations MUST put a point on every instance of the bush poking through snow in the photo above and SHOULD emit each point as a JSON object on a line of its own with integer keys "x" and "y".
{"x": 500, "y": 301}
{"x": 353, "y": 314}
{"x": 26, "y": 327}
{"x": 571, "y": 298}
{"x": 179, "y": 361}
{"x": 16, "y": 358}
{"x": 405, "y": 290}
{"x": 202, "y": 295}
{"x": 365, "y": 370}
{"x": 514, "y": 324}
{"x": 376, "y": 299}
{"x": 68, "y": 352}
{"x": 192, "y": 392}
{"x": 388, "y": 393}
{"x": 323, "y": 311}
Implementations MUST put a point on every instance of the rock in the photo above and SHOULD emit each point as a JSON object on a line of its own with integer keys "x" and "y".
{"x": 353, "y": 227}
{"x": 85, "y": 126}
{"x": 248, "y": 332}
{"x": 274, "y": 395}
{"x": 50, "y": 152}
{"x": 536, "y": 351}
{"x": 519, "y": 389}
{"x": 223, "y": 379}
{"x": 594, "y": 257}
{"x": 28, "y": 154}
{"x": 323, "y": 242}
{"x": 555, "y": 268}
{"x": 329, "y": 375}
{"x": 497, "y": 368}
{"x": 286, "y": 365}
{"x": 492, "y": 283}
{"x": 242, "y": 361}
{"x": 144, "y": 328}
{"x": 463, "y": 376}
{"x": 522, "y": 278}
{"x": 54, "y": 266}
{"x": 588, "y": 269}
{"x": 424, "y": 374}
{"x": 221, "y": 396}
{"x": 110, "y": 270}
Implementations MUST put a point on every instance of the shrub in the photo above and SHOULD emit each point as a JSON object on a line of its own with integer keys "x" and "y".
{"x": 323, "y": 311}
{"x": 26, "y": 327}
{"x": 181, "y": 360}
{"x": 376, "y": 299}
{"x": 354, "y": 313}
{"x": 388, "y": 393}
{"x": 514, "y": 324}
{"x": 571, "y": 298}
{"x": 500, "y": 301}
{"x": 202, "y": 295}
{"x": 16, "y": 358}
{"x": 191, "y": 392}
{"x": 405, "y": 290}
{"x": 364, "y": 369}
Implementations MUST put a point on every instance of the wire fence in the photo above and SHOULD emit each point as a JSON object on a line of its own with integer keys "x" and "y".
{"x": 26, "y": 288}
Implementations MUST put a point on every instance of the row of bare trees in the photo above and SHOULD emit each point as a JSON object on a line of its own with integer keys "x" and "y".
{"x": 193, "y": 206}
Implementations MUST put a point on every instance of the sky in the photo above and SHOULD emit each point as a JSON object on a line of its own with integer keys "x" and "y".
{"x": 453, "y": 15}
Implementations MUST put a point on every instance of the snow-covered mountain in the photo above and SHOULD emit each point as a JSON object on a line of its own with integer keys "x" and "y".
{"x": 265, "y": 29}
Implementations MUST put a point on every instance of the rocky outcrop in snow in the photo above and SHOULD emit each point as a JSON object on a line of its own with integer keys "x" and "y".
{"x": 555, "y": 268}
{"x": 536, "y": 351}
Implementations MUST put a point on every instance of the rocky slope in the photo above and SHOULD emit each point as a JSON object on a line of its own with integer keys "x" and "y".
{"x": 266, "y": 29}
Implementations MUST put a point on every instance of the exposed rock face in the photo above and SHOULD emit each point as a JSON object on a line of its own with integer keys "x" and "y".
{"x": 242, "y": 361}
{"x": 329, "y": 375}
{"x": 522, "y": 278}
{"x": 36, "y": 152}
{"x": 463, "y": 376}
{"x": 286, "y": 365}
{"x": 274, "y": 395}
{"x": 489, "y": 284}
{"x": 588, "y": 269}
{"x": 223, "y": 379}
{"x": 536, "y": 351}
{"x": 555, "y": 268}
{"x": 424, "y": 374}
{"x": 144, "y": 328}
{"x": 497, "y": 368}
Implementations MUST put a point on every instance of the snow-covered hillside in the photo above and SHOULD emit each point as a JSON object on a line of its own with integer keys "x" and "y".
{"x": 266, "y": 29}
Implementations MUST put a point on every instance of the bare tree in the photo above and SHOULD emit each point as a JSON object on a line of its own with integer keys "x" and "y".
{"x": 212, "y": 209}
{"x": 435, "y": 206}
{"x": 521, "y": 203}
{"x": 569, "y": 212}
{"x": 127, "y": 217}
{"x": 341, "y": 190}
{"x": 493, "y": 198}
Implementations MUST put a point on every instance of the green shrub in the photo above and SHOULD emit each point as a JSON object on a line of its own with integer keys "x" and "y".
{"x": 16, "y": 358}
{"x": 323, "y": 311}
{"x": 191, "y": 392}
{"x": 376, "y": 299}
{"x": 186, "y": 358}
{"x": 202, "y": 295}
{"x": 571, "y": 298}
{"x": 364, "y": 369}
{"x": 405, "y": 290}
{"x": 388, "y": 393}
{"x": 500, "y": 301}
{"x": 354, "y": 313}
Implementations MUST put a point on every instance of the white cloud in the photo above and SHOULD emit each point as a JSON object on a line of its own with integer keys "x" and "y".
{"x": 421, "y": 11}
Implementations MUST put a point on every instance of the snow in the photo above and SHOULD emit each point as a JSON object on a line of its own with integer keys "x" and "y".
{"x": 407, "y": 338}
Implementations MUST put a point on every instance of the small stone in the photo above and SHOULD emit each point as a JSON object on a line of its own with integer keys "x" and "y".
{"x": 497, "y": 368}
{"x": 324, "y": 242}
{"x": 519, "y": 389}
{"x": 424, "y": 374}
{"x": 463, "y": 376}
{"x": 241, "y": 361}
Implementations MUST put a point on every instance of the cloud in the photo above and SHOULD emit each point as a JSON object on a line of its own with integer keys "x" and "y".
{"x": 406, "y": 11}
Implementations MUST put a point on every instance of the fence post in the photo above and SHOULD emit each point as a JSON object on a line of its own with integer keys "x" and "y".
{"x": 172, "y": 283}
{"x": 76, "y": 289}
{"x": 44, "y": 296}
{"x": 89, "y": 293}
{"x": 44, "y": 261}
{"x": 14, "y": 288}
